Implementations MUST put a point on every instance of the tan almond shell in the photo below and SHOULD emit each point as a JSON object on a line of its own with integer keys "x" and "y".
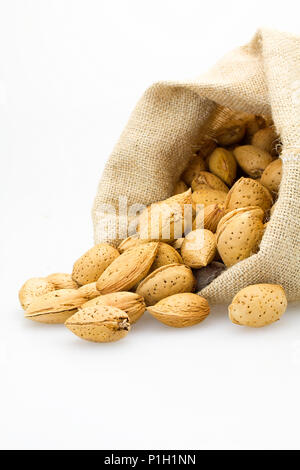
{"x": 130, "y": 242}
{"x": 239, "y": 234}
{"x": 89, "y": 267}
{"x": 165, "y": 281}
{"x": 258, "y": 305}
{"x": 213, "y": 181}
{"x": 54, "y": 306}
{"x": 33, "y": 288}
{"x": 196, "y": 164}
{"x": 180, "y": 187}
{"x": 89, "y": 291}
{"x": 100, "y": 324}
{"x": 252, "y": 160}
{"x": 166, "y": 254}
{"x": 248, "y": 192}
{"x": 130, "y": 302}
{"x": 271, "y": 177}
{"x": 180, "y": 310}
{"x": 128, "y": 269}
{"x": 232, "y": 133}
{"x": 165, "y": 220}
{"x": 199, "y": 248}
{"x": 222, "y": 164}
{"x": 265, "y": 139}
{"x": 209, "y": 216}
{"x": 62, "y": 281}
{"x": 207, "y": 196}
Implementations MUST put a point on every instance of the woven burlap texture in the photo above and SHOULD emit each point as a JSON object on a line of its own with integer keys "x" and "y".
{"x": 262, "y": 77}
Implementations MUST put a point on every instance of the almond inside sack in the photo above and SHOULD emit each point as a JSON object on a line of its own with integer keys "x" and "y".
{"x": 170, "y": 122}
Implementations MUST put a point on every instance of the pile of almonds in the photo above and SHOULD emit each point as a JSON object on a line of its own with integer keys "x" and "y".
{"x": 231, "y": 183}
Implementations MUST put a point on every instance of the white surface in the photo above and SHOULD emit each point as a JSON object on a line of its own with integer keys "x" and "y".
{"x": 70, "y": 73}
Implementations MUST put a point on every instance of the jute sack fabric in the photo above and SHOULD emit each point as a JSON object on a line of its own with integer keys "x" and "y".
{"x": 167, "y": 125}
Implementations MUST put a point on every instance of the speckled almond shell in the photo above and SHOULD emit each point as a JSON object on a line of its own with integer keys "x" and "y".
{"x": 196, "y": 164}
{"x": 33, "y": 288}
{"x": 128, "y": 269}
{"x": 271, "y": 177}
{"x": 207, "y": 196}
{"x": 57, "y": 301}
{"x": 180, "y": 187}
{"x": 208, "y": 179}
{"x": 231, "y": 133}
{"x": 165, "y": 281}
{"x": 239, "y": 234}
{"x": 89, "y": 291}
{"x": 266, "y": 140}
{"x": 252, "y": 160}
{"x": 199, "y": 248}
{"x": 100, "y": 324}
{"x": 248, "y": 192}
{"x": 62, "y": 281}
{"x": 258, "y": 305}
{"x": 222, "y": 164}
{"x": 166, "y": 254}
{"x": 180, "y": 310}
{"x": 159, "y": 221}
{"x": 130, "y": 302}
{"x": 89, "y": 267}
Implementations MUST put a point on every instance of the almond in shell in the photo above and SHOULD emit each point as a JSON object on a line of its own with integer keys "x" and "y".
{"x": 100, "y": 324}
{"x": 180, "y": 310}
{"x": 239, "y": 234}
{"x": 33, "y": 288}
{"x": 258, "y": 305}
{"x": 271, "y": 177}
{"x": 206, "y": 178}
{"x": 265, "y": 139}
{"x": 248, "y": 192}
{"x": 231, "y": 133}
{"x": 252, "y": 160}
{"x": 56, "y": 306}
{"x": 128, "y": 269}
{"x": 165, "y": 281}
{"x": 199, "y": 248}
{"x": 166, "y": 254}
{"x": 222, "y": 164}
{"x": 89, "y": 267}
{"x": 130, "y": 302}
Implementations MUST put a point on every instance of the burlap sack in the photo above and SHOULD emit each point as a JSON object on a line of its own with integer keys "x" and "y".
{"x": 262, "y": 77}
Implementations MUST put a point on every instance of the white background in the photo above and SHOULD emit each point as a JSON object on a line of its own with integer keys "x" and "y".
{"x": 70, "y": 74}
